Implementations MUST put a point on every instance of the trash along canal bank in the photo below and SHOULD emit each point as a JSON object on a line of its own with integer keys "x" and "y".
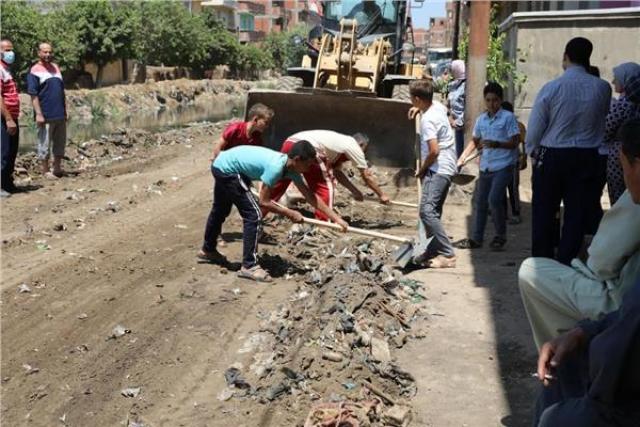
{"x": 108, "y": 319}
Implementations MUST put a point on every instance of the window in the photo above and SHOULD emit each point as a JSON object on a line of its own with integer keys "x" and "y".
{"x": 246, "y": 22}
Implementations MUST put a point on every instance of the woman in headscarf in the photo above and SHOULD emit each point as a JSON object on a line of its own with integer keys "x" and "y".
{"x": 622, "y": 109}
{"x": 456, "y": 102}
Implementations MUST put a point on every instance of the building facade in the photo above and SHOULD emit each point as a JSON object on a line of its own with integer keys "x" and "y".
{"x": 253, "y": 20}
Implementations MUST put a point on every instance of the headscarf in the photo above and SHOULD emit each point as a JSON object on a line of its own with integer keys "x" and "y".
{"x": 632, "y": 89}
{"x": 458, "y": 69}
{"x": 623, "y": 73}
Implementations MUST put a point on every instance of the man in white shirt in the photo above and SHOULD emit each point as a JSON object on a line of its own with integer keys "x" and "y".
{"x": 438, "y": 166}
{"x": 566, "y": 127}
{"x": 334, "y": 149}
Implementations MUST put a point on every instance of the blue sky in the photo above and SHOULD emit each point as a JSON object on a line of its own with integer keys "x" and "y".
{"x": 429, "y": 8}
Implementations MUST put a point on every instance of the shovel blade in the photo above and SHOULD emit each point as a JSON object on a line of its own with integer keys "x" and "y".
{"x": 403, "y": 255}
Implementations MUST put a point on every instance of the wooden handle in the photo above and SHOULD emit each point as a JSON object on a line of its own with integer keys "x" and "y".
{"x": 395, "y": 202}
{"x": 356, "y": 230}
{"x": 468, "y": 159}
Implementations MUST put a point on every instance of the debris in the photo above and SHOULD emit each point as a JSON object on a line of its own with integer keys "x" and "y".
{"x": 349, "y": 386}
{"x": 30, "y": 369}
{"x": 277, "y": 390}
{"x": 375, "y": 390}
{"x": 83, "y": 316}
{"x": 341, "y": 414}
{"x": 332, "y": 356}
{"x": 226, "y": 394}
{"x": 113, "y": 206}
{"x": 119, "y": 331}
{"x": 42, "y": 245}
{"x": 397, "y": 416}
{"x": 63, "y": 419}
{"x": 233, "y": 378}
{"x": 24, "y": 288}
{"x": 380, "y": 350}
{"x": 130, "y": 392}
{"x": 181, "y": 226}
{"x": 60, "y": 227}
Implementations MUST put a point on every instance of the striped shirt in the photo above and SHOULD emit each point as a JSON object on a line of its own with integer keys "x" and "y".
{"x": 569, "y": 112}
{"x": 45, "y": 82}
{"x": 9, "y": 91}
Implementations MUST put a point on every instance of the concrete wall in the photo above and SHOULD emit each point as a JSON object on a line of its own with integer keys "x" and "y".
{"x": 537, "y": 39}
{"x": 113, "y": 73}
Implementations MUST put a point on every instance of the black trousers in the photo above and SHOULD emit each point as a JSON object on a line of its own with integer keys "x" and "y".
{"x": 9, "y": 153}
{"x": 234, "y": 190}
{"x": 570, "y": 176}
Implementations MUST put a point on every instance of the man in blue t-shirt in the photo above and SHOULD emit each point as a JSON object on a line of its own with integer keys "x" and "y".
{"x": 233, "y": 171}
{"x": 45, "y": 85}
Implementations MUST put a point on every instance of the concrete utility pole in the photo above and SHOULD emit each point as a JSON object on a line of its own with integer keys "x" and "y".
{"x": 477, "y": 63}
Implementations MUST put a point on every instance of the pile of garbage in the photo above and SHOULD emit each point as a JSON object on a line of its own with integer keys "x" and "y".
{"x": 328, "y": 351}
{"x": 119, "y": 145}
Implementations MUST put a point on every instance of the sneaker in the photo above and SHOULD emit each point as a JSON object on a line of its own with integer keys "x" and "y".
{"x": 441, "y": 261}
{"x": 214, "y": 257}
{"x": 467, "y": 244}
{"x": 4, "y": 194}
{"x": 497, "y": 244}
{"x": 515, "y": 220}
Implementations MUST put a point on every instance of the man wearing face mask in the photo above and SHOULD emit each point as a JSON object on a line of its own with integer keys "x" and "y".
{"x": 10, "y": 106}
{"x": 45, "y": 85}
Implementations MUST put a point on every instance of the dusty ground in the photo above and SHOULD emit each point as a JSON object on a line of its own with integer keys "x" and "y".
{"x": 124, "y": 255}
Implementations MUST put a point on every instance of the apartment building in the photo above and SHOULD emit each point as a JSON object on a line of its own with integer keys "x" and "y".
{"x": 253, "y": 20}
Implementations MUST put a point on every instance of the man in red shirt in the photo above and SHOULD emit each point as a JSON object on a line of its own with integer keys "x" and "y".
{"x": 10, "y": 106}
{"x": 245, "y": 133}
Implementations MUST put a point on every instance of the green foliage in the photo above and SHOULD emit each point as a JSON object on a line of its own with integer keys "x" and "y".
{"x": 250, "y": 60}
{"x": 499, "y": 68}
{"x": 27, "y": 27}
{"x": 154, "y": 32}
{"x": 283, "y": 49}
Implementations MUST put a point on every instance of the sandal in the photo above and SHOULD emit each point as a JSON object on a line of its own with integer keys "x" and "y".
{"x": 255, "y": 273}
{"x": 497, "y": 244}
{"x": 441, "y": 261}
{"x": 467, "y": 244}
{"x": 214, "y": 257}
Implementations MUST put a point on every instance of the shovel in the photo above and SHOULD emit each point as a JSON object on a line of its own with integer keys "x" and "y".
{"x": 402, "y": 256}
{"x": 466, "y": 174}
{"x": 395, "y": 203}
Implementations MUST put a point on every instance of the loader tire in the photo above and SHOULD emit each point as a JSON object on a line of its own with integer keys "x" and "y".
{"x": 401, "y": 92}
{"x": 288, "y": 83}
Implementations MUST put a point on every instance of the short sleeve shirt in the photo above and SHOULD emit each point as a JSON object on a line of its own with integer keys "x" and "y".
{"x": 45, "y": 82}
{"x": 255, "y": 163}
{"x": 9, "y": 91}
{"x": 235, "y": 134}
{"x": 335, "y": 147}
{"x": 434, "y": 124}
{"x": 502, "y": 127}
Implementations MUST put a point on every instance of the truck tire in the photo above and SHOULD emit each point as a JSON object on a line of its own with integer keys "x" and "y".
{"x": 401, "y": 92}
{"x": 288, "y": 83}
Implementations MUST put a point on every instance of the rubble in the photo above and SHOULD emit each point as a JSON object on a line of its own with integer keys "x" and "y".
{"x": 330, "y": 344}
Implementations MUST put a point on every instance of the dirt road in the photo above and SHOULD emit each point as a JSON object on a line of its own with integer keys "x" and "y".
{"x": 115, "y": 246}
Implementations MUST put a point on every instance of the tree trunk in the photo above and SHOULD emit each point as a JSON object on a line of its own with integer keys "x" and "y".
{"x": 99, "y": 74}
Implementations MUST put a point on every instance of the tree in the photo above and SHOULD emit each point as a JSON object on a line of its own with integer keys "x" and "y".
{"x": 250, "y": 60}
{"x": 26, "y": 26}
{"x": 105, "y": 34}
{"x": 284, "y": 49}
{"x": 499, "y": 68}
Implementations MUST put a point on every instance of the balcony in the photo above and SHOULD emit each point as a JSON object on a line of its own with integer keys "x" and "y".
{"x": 252, "y": 7}
{"x": 250, "y": 36}
{"x": 220, "y": 4}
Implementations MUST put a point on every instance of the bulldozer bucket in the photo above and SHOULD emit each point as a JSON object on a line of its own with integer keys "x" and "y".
{"x": 384, "y": 121}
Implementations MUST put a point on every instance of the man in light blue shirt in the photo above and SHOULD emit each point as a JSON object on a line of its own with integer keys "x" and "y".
{"x": 233, "y": 171}
{"x": 566, "y": 127}
{"x": 496, "y": 133}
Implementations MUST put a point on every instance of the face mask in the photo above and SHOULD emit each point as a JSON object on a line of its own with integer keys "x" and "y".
{"x": 8, "y": 57}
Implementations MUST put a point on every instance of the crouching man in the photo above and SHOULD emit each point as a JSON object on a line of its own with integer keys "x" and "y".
{"x": 233, "y": 171}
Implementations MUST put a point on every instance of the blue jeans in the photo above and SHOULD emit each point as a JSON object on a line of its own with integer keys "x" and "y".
{"x": 459, "y": 141}
{"x": 9, "y": 154}
{"x": 491, "y": 191}
{"x": 435, "y": 188}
